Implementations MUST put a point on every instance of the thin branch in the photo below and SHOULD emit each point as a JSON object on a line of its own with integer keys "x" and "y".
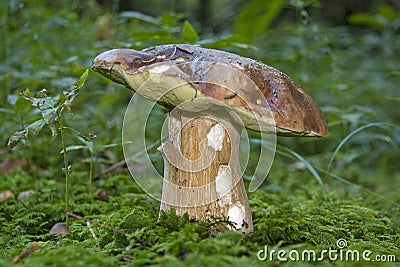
{"x": 95, "y": 223}
{"x": 92, "y": 232}
{"x": 25, "y": 253}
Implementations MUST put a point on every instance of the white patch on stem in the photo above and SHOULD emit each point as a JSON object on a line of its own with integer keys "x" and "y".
{"x": 174, "y": 128}
{"x": 236, "y": 215}
{"x": 223, "y": 185}
{"x": 216, "y": 136}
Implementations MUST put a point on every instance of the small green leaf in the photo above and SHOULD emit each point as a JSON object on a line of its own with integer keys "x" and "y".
{"x": 50, "y": 117}
{"x": 71, "y": 148}
{"x": 139, "y": 16}
{"x": 87, "y": 141}
{"x": 33, "y": 128}
{"x": 6, "y": 110}
{"x": 113, "y": 145}
{"x": 396, "y": 99}
{"x": 189, "y": 34}
{"x": 256, "y": 16}
{"x": 365, "y": 19}
{"x": 387, "y": 12}
{"x": 171, "y": 19}
{"x": 21, "y": 104}
{"x": 40, "y": 103}
{"x": 393, "y": 73}
{"x": 82, "y": 79}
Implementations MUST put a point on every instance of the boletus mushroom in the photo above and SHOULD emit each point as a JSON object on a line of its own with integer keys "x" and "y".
{"x": 212, "y": 94}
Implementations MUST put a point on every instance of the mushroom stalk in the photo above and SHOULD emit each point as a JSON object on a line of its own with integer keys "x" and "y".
{"x": 202, "y": 174}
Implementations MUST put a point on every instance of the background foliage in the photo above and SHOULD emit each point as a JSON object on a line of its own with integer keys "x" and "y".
{"x": 344, "y": 53}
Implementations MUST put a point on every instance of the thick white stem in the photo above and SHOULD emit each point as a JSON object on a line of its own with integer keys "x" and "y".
{"x": 202, "y": 171}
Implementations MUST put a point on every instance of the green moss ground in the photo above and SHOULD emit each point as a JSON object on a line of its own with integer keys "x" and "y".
{"x": 291, "y": 212}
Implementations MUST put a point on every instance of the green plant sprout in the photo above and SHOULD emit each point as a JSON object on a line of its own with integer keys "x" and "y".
{"x": 51, "y": 109}
{"x": 88, "y": 145}
{"x": 87, "y": 142}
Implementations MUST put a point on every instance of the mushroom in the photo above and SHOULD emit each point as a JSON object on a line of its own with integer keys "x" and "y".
{"x": 59, "y": 229}
{"x": 212, "y": 94}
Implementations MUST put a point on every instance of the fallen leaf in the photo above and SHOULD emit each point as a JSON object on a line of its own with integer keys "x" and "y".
{"x": 7, "y": 165}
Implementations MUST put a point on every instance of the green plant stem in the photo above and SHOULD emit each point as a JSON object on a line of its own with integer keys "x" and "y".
{"x": 65, "y": 164}
{"x": 6, "y": 49}
{"x": 91, "y": 176}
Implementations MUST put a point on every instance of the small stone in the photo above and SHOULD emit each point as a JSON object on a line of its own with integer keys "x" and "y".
{"x": 10, "y": 164}
{"x": 25, "y": 194}
{"x": 6, "y": 195}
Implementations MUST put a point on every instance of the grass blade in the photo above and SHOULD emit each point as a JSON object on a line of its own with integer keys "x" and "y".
{"x": 344, "y": 181}
{"x": 286, "y": 152}
{"x": 349, "y": 136}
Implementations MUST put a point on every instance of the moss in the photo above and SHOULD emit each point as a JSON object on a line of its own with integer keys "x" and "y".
{"x": 312, "y": 218}
{"x": 73, "y": 255}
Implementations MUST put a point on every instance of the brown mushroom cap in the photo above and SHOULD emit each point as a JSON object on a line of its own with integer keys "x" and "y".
{"x": 293, "y": 110}
{"x": 59, "y": 229}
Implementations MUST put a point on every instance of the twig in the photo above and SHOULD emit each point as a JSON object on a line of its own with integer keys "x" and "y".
{"x": 95, "y": 223}
{"x": 123, "y": 162}
{"x": 25, "y": 253}
{"x": 92, "y": 232}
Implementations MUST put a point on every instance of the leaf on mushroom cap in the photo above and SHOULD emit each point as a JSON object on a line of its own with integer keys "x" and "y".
{"x": 293, "y": 110}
